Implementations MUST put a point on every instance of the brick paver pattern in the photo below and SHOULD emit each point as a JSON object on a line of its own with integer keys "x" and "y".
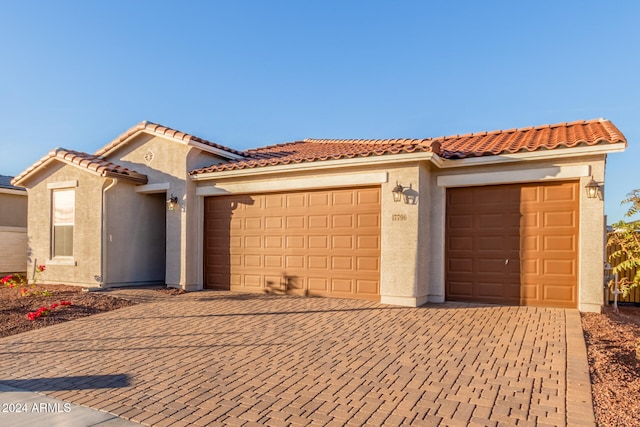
{"x": 219, "y": 358}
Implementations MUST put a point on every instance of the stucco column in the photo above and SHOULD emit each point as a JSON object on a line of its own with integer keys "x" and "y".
{"x": 592, "y": 227}
{"x": 399, "y": 271}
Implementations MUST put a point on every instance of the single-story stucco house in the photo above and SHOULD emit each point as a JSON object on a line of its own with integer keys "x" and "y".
{"x": 13, "y": 228}
{"x": 510, "y": 217}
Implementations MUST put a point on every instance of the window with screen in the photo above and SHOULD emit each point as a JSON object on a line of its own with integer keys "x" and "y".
{"x": 63, "y": 219}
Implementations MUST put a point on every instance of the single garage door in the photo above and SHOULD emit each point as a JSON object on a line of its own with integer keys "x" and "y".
{"x": 324, "y": 242}
{"x": 513, "y": 244}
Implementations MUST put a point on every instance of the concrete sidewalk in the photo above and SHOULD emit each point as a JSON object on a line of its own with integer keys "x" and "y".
{"x": 21, "y": 408}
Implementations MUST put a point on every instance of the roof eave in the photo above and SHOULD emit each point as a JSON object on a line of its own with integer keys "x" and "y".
{"x": 140, "y": 128}
{"x": 556, "y": 153}
{"x": 315, "y": 165}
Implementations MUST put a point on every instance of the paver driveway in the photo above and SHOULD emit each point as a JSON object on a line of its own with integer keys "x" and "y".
{"x": 212, "y": 358}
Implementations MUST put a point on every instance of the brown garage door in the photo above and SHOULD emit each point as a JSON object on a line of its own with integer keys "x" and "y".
{"x": 513, "y": 244}
{"x": 324, "y": 243}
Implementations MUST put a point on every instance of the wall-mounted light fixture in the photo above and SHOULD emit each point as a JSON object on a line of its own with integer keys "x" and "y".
{"x": 172, "y": 202}
{"x": 397, "y": 192}
{"x": 592, "y": 189}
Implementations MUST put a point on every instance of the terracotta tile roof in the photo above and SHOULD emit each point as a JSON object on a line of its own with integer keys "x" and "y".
{"x": 548, "y": 137}
{"x": 311, "y": 150}
{"x": 162, "y": 131}
{"x": 92, "y": 163}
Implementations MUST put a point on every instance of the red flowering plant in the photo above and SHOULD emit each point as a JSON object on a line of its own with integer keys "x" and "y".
{"x": 30, "y": 292}
{"x": 39, "y": 270}
{"x": 12, "y": 280}
{"x": 45, "y": 311}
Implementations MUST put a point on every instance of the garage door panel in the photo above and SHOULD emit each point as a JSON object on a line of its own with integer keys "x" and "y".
{"x": 369, "y": 287}
{"x": 318, "y": 262}
{"x": 559, "y": 243}
{"x": 273, "y": 242}
{"x": 273, "y": 201}
{"x": 253, "y": 280}
{"x": 491, "y": 265}
{"x": 342, "y": 221}
{"x": 342, "y": 198}
{"x": 461, "y": 221}
{"x": 294, "y": 261}
{"x": 295, "y": 222}
{"x": 342, "y": 242}
{"x": 327, "y": 242}
{"x": 318, "y": 222}
{"x": 271, "y": 261}
{"x": 319, "y": 200}
{"x": 491, "y": 220}
{"x": 460, "y": 289}
{"x": 490, "y": 289}
{"x": 460, "y": 265}
{"x": 253, "y": 242}
{"x": 253, "y": 261}
{"x": 538, "y": 235}
{"x": 295, "y": 242}
{"x": 319, "y": 242}
{"x": 369, "y": 197}
{"x": 529, "y": 292}
{"x": 559, "y": 194}
{"x": 295, "y": 200}
{"x": 344, "y": 286}
{"x": 368, "y": 242}
{"x": 461, "y": 243}
{"x": 318, "y": 284}
{"x": 368, "y": 220}
{"x": 368, "y": 263}
{"x": 558, "y": 294}
{"x": 272, "y": 223}
{"x": 559, "y": 219}
{"x": 489, "y": 243}
{"x": 559, "y": 267}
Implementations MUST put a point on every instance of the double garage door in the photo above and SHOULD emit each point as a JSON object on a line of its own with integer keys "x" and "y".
{"x": 513, "y": 244}
{"x": 324, "y": 242}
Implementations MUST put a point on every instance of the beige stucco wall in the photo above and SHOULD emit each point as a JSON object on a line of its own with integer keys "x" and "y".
{"x": 404, "y": 252}
{"x": 85, "y": 265}
{"x": 413, "y": 240}
{"x": 591, "y": 248}
{"x": 170, "y": 165}
{"x": 134, "y": 238}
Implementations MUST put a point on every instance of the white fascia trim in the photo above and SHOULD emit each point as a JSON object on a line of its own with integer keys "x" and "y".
{"x": 318, "y": 165}
{"x": 507, "y": 177}
{"x": 314, "y": 182}
{"x": 557, "y": 153}
{"x": 62, "y": 184}
{"x": 14, "y": 192}
{"x": 214, "y": 150}
{"x": 153, "y": 188}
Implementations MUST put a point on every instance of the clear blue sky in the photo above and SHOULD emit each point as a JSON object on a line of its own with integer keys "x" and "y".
{"x": 252, "y": 73}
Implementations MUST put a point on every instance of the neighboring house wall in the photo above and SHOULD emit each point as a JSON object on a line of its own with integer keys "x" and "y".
{"x": 13, "y": 209}
{"x": 84, "y": 267}
{"x": 13, "y": 232}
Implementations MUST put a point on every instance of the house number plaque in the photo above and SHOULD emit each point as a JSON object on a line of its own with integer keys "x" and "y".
{"x": 398, "y": 217}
